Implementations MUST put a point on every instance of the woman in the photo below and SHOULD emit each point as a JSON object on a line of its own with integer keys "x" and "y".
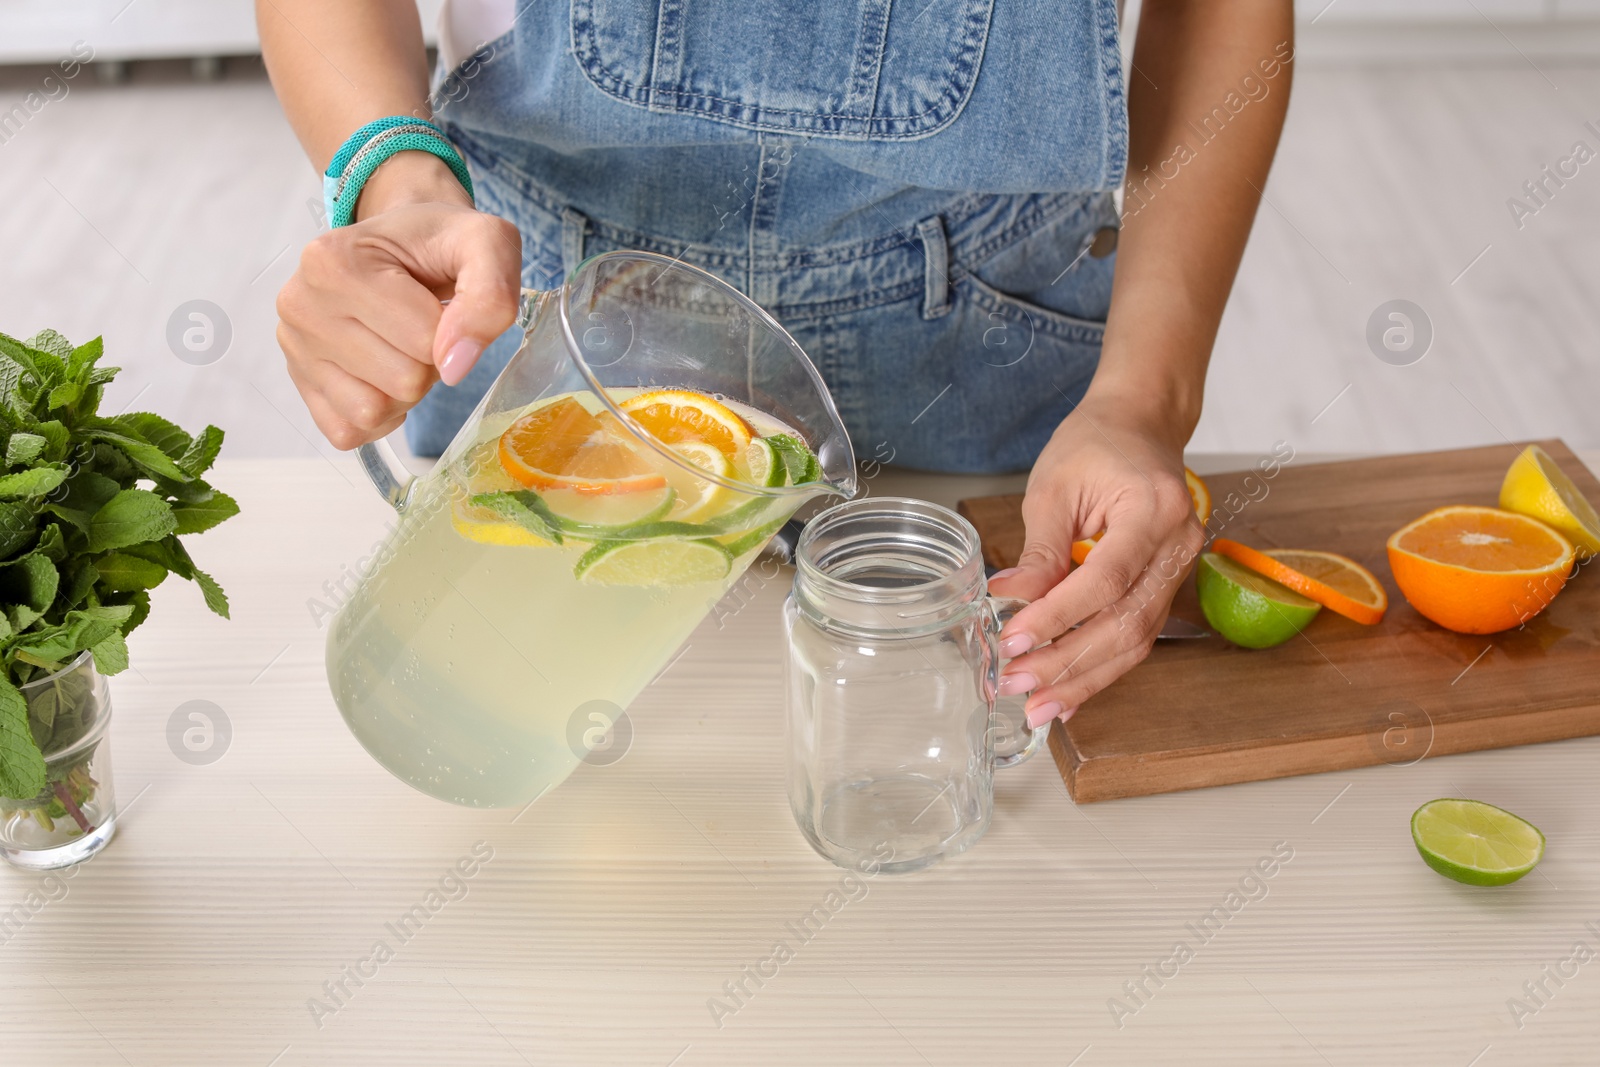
{"x": 920, "y": 192}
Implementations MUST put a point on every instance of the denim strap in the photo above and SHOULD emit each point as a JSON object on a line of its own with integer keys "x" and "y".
{"x": 574, "y": 225}
{"x": 936, "y": 268}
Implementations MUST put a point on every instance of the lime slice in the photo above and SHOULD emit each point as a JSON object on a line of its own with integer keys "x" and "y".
{"x": 654, "y": 563}
{"x": 1247, "y": 608}
{"x": 751, "y": 539}
{"x": 1475, "y": 843}
{"x": 601, "y": 512}
{"x": 766, "y": 466}
{"x": 801, "y": 465}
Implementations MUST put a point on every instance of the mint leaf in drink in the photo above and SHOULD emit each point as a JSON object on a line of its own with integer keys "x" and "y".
{"x": 132, "y": 516}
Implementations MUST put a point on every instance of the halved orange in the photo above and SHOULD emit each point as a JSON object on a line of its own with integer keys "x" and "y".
{"x": 562, "y": 445}
{"x": 1197, "y": 493}
{"x": 1479, "y": 570}
{"x": 674, "y": 416}
{"x": 1336, "y": 582}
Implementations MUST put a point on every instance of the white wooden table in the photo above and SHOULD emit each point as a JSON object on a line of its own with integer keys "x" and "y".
{"x": 609, "y": 914}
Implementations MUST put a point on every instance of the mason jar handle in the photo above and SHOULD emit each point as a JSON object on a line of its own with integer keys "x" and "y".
{"x": 379, "y": 459}
{"x": 1010, "y": 749}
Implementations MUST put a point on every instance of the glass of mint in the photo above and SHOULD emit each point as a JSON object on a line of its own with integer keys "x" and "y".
{"x": 93, "y": 512}
{"x": 75, "y": 814}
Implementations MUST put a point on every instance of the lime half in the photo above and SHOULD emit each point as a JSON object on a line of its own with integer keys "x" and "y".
{"x": 1475, "y": 843}
{"x": 654, "y": 563}
{"x": 1247, "y": 608}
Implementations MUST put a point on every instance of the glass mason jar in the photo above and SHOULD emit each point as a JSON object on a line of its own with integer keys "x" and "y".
{"x": 75, "y": 815}
{"x": 892, "y": 673}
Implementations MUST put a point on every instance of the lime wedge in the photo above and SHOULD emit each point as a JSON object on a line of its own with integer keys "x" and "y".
{"x": 765, "y": 464}
{"x": 1475, "y": 843}
{"x": 1247, "y": 608}
{"x": 654, "y": 563}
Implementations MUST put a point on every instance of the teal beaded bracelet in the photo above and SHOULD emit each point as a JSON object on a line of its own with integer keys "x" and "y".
{"x": 369, "y": 147}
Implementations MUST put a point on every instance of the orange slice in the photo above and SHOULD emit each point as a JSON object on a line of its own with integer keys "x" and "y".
{"x": 1479, "y": 570}
{"x": 1336, "y": 582}
{"x": 1197, "y": 493}
{"x": 675, "y": 416}
{"x": 562, "y": 445}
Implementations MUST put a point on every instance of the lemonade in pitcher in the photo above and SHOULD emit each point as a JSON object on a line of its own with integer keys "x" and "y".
{"x": 536, "y": 583}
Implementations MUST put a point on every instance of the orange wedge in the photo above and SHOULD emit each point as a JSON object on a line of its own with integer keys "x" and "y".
{"x": 1197, "y": 493}
{"x": 1479, "y": 570}
{"x": 678, "y": 415}
{"x": 1336, "y": 582}
{"x": 562, "y": 445}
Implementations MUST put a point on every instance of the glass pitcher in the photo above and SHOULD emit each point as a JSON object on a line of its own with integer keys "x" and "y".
{"x": 652, "y": 432}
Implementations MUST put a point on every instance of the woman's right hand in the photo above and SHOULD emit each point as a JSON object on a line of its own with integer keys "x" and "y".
{"x": 361, "y": 321}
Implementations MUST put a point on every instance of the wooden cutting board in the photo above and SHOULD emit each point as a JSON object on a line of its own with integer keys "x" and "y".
{"x": 1204, "y": 712}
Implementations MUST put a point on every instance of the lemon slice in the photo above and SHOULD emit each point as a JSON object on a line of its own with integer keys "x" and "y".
{"x": 699, "y": 498}
{"x": 1536, "y": 487}
{"x": 487, "y": 527}
{"x": 1475, "y": 843}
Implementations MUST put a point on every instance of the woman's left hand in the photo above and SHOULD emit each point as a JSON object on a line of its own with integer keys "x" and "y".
{"x": 1108, "y": 467}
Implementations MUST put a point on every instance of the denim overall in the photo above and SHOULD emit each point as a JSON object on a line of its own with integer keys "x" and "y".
{"x": 918, "y": 190}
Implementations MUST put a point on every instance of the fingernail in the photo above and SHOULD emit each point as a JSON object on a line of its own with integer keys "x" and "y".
{"x": 1012, "y": 684}
{"x": 1015, "y": 645}
{"x": 1042, "y": 714}
{"x": 1069, "y": 713}
{"x": 1008, "y": 572}
{"x": 458, "y": 361}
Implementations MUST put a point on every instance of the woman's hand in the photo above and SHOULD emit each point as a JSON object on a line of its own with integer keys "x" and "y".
{"x": 1108, "y": 467}
{"x": 362, "y": 325}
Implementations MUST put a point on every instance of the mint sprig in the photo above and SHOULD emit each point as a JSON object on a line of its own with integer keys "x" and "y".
{"x": 91, "y": 512}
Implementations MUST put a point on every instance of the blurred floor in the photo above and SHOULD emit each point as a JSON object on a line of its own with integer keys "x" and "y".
{"x": 123, "y": 202}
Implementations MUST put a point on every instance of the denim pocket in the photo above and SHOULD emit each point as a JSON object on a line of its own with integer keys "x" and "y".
{"x": 861, "y": 70}
{"x": 1015, "y": 320}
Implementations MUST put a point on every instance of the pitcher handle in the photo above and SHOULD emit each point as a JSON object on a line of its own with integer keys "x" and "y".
{"x": 379, "y": 459}
{"x": 1008, "y": 710}
{"x": 389, "y": 476}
